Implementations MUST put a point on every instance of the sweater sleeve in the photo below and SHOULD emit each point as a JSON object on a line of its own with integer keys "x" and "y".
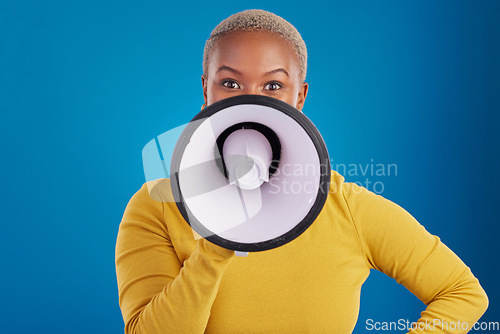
{"x": 158, "y": 293}
{"x": 397, "y": 245}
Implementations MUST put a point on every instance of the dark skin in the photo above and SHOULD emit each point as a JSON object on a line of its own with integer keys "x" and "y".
{"x": 257, "y": 63}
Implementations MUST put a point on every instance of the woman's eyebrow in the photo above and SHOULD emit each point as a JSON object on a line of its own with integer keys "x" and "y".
{"x": 277, "y": 70}
{"x": 227, "y": 68}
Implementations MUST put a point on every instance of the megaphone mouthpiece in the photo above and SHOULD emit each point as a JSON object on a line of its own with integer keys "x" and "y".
{"x": 247, "y": 155}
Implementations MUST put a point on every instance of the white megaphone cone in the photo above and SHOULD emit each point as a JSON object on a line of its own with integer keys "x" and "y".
{"x": 250, "y": 173}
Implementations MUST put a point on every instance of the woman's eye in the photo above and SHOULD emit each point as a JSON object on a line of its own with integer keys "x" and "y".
{"x": 273, "y": 86}
{"x": 230, "y": 84}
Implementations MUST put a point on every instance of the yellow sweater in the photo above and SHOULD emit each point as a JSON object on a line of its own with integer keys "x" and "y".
{"x": 169, "y": 282}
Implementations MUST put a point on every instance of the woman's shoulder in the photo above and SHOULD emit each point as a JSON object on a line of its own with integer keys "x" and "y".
{"x": 158, "y": 190}
{"x": 349, "y": 191}
{"x": 344, "y": 190}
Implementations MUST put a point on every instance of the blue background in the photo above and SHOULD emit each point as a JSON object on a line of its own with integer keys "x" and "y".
{"x": 86, "y": 84}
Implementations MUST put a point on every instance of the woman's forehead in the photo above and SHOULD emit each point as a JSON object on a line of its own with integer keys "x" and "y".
{"x": 259, "y": 50}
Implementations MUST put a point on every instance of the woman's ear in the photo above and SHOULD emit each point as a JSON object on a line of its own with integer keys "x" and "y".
{"x": 204, "y": 85}
{"x": 301, "y": 98}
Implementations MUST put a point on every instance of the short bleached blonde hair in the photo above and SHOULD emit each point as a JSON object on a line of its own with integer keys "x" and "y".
{"x": 258, "y": 20}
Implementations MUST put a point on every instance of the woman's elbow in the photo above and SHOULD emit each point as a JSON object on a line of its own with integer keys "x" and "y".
{"x": 483, "y": 299}
{"x": 478, "y": 298}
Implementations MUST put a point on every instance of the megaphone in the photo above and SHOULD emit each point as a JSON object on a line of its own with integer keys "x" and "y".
{"x": 250, "y": 173}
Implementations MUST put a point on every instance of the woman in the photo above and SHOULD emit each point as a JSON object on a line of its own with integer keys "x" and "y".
{"x": 169, "y": 282}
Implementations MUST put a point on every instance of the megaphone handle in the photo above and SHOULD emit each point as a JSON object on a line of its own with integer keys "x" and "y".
{"x": 240, "y": 254}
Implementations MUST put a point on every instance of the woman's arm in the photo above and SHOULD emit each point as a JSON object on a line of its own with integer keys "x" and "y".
{"x": 157, "y": 293}
{"x": 396, "y": 244}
